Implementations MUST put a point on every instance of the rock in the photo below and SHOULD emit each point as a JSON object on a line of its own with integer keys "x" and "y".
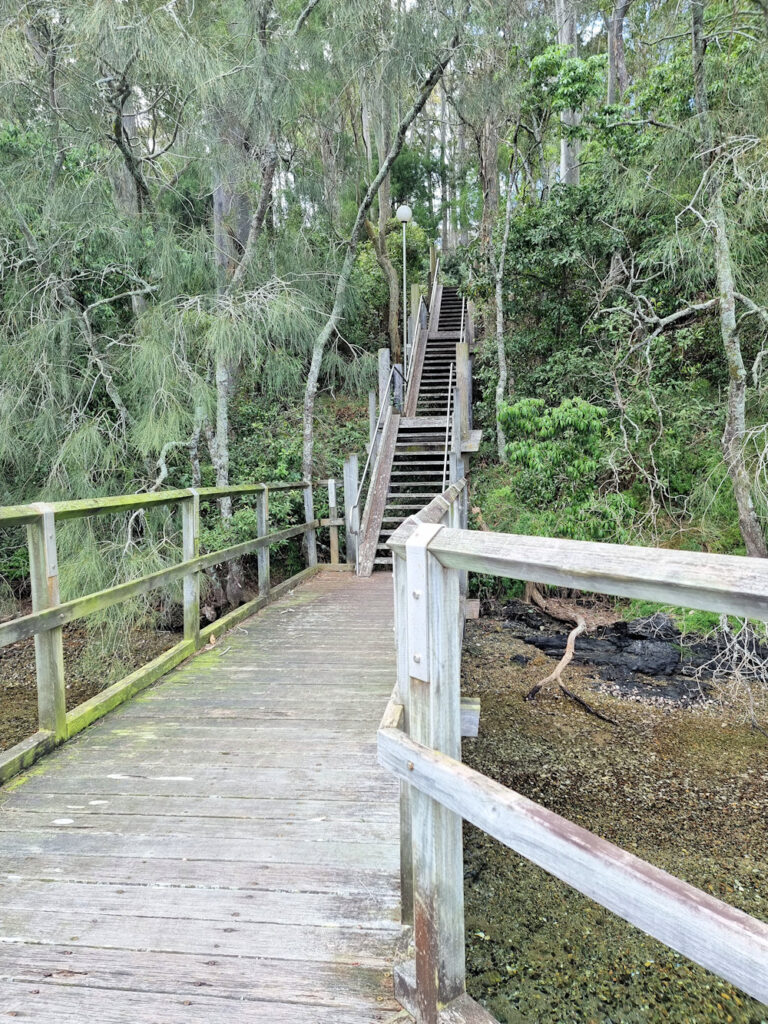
{"x": 652, "y": 657}
{"x": 519, "y": 659}
{"x": 656, "y": 627}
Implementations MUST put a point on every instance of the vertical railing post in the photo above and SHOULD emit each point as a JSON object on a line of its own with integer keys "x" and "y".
{"x": 464, "y": 382}
{"x": 414, "y": 317}
{"x": 351, "y": 512}
{"x": 333, "y": 512}
{"x": 383, "y": 378}
{"x": 397, "y": 385}
{"x": 371, "y": 419}
{"x": 190, "y": 547}
{"x": 49, "y": 645}
{"x": 434, "y": 664}
{"x": 310, "y": 537}
{"x": 262, "y": 523}
{"x": 400, "y": 575}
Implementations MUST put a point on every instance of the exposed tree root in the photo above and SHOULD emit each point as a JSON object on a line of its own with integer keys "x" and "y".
{"x": 565, "y": 611}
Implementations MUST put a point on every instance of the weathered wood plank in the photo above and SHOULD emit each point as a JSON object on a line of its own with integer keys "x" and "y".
{"x": 319, "y": 829}
{"x": 341, "y": 986}
{"x": 351, "y": 510}
{"x": 377, "y": 495}
{"x": 19, "y": 515}
{"x": 326, "y": 848}
{"x": 339, "y": 910}
{"x": 252, "y": 875}
{"x": 470, "y": 716}
{"x": 49, "y": 647}
{"x": 152, "y": 851}
{"x": 97, "y": 706}
{"x": 434, "y": 649}
{"x": 722, "y": 583}
{"x": 53, "y": 617}
{"x": 202, "y": 780}
{"x": 190, "y": 520}
{"x": 344, "y": 809}
{"x": 24, "y": 754}
{"x": 56, "y": 1004}
{"x": 703, "y": 928}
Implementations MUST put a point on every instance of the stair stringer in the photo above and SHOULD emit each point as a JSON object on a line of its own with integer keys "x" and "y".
{"x": 377, "y": 496}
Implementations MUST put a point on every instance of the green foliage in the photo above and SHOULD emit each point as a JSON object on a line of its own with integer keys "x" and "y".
{"x": 560, "y": 468}
{"x": 564, "y": 82}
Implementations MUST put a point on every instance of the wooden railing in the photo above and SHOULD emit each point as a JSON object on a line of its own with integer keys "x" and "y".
{"x": 420, "y": 741}
{"x": 50, "y": 613}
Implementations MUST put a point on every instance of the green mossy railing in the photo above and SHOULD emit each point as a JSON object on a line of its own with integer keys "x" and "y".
{"x": 50, "y": 614}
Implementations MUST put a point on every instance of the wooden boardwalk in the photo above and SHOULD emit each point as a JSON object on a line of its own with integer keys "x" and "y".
{"x": 223, "y": 848}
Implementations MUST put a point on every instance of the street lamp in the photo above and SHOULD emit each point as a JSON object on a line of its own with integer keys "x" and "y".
{"x": 404, "y": 214}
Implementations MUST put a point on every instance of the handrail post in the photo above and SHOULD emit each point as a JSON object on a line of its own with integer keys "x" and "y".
{"x": 400, "y": 577}
{"x": 262, "y": 522}
{"x": 464, "y": 382}
{"x": 49, "y": 645}
{"x": 371, "y": 419}
{"x": 384, "y": 373}
{"x": 351, "y": 511}
{"x": 434, "y": 664}
{"x": 190, "y": 544}
{"x": 333, "y": 512}
{"x": 397, "y": 385}
{"x": 310, "y": 537}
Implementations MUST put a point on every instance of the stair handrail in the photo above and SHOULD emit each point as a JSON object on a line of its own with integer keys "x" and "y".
{"x": 409, "y": 357}
{"x": 448, "y": 421}
{"x": 435, "y": 279}
{"x": 384, "y": 408}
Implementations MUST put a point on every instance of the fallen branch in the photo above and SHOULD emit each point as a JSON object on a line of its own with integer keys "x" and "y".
{"x": 565, "y": 612}
{"x": 554, "y": 676}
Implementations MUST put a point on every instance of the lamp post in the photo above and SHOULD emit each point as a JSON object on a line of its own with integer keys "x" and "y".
{"x": 404, "y": 214}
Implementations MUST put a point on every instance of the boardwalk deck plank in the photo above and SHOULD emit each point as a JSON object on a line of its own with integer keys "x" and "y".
{"x": 224, "y": 848}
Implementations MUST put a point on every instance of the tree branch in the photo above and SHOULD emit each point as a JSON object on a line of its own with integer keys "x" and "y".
{"x": 303, "y": 17}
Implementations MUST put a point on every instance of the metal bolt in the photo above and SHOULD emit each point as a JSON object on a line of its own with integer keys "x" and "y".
{"x": 417, "y": 594}
{"x": 410, "y": 766}
{"x": 417, "y": 658}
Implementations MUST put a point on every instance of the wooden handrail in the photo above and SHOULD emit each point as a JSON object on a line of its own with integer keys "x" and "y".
{"x": 700, "y": 926}
{"x": 20, "y": 515}
{"x": 50, "y": 614}
{"x": 733, "y": 584}
{"x": 419, "y": 744}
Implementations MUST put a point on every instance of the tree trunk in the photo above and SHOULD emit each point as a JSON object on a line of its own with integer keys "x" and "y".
{"x": 383, "y": 139}
{"x": 461, "y": 172}
{"x": 735, "y": 414}
{"x": 489, "y": 177}
{"x": 501, "y": 353}
{"x": 329, "y": 327}
{"x": 617, "y": 65}
{"x": 569, "y": 148}
{"x": 443, "y": 171}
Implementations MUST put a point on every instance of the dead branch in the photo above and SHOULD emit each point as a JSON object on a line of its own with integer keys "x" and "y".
{"x": 566, "y": 611}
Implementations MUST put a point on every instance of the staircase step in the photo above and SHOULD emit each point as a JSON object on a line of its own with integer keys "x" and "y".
{"x": 427, "y": 495}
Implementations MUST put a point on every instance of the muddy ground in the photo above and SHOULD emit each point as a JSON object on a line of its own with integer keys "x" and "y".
{"x": 86, "y": 673}
{"x": 682, "y": 784}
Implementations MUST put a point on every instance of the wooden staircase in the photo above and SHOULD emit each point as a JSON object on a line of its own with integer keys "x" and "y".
{"x": 414, "y": 470}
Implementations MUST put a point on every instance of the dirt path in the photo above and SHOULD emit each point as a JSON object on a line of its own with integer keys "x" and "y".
{"x": 684, "y": 788}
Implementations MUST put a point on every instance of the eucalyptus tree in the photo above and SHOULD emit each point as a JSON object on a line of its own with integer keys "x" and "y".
{"x": 424, "y": 37}
{"x": 690, "y": 158}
